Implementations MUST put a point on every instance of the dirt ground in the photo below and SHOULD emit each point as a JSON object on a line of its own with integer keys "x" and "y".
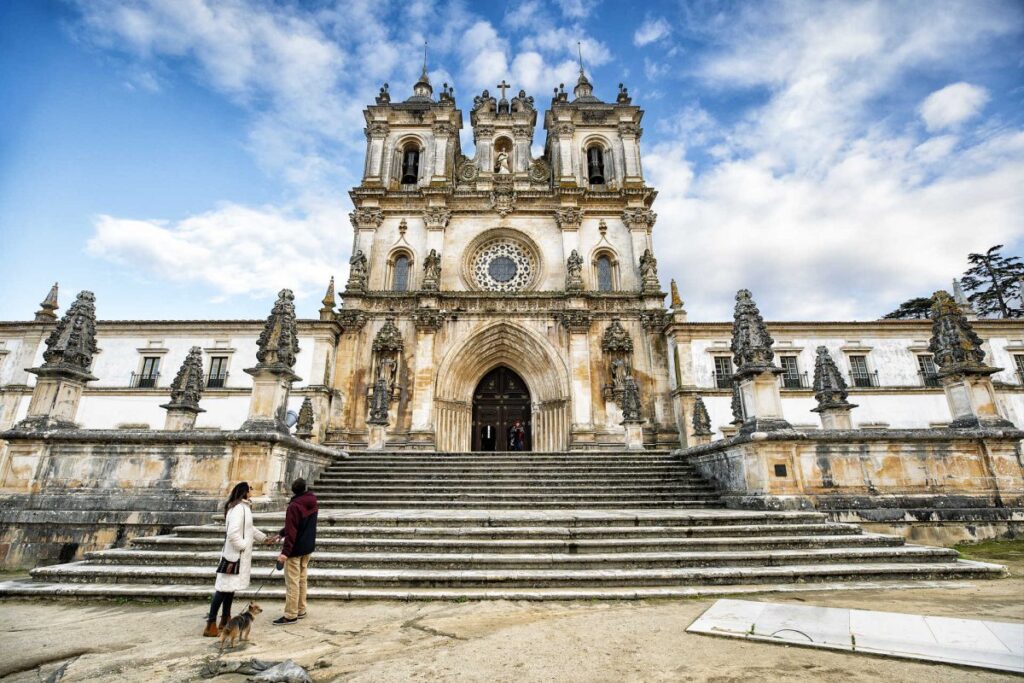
{"x": 479, "y": 641}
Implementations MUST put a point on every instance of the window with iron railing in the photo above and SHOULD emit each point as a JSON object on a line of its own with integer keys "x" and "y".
{"x": 1018, "y": 360}
{"x": 723, "y": 372}
{"x": 146, "y": 379}
{"x": 218, "y": 376}
{"x": 927, "y": 371}
{"x": 860, "y": 376}
{"x": 791, "y": 377}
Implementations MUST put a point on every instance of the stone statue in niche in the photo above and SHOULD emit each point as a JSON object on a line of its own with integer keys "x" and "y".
{"x": 357, "y": 272}
{"x": 432, "y": 271}
{"x": 574, "y": 272}
{"x": 502, "y": 167}
{"x": 387, "y": 370}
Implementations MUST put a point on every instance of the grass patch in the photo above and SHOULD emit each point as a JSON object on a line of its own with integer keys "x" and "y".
{"x": 1004, "y": 550}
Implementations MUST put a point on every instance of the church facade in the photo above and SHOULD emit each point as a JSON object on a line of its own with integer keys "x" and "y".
{"x": 502, "y": 290}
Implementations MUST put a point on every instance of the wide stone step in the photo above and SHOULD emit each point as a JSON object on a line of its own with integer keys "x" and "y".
{"x": 533, "y": 578}
{"x": 583, "y": 504}
{"x": 263, "y": 561}
{"x": 499, "y": 470}
{"x": 386, "y": 489}
{"x": 327, "y": 531}
{"x": 512, "y": 480}
{"x": 540, "y": 545}
{"x": 512, "y": 495}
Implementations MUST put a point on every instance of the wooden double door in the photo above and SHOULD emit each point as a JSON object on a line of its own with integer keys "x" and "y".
{"x": 500, "y": 399}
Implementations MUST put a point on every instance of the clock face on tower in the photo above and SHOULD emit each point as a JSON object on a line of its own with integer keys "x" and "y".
{"x": 502, "y": 265}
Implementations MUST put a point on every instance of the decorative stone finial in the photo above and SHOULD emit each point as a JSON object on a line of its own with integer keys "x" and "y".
{"x": 963, "y": 302}
{"x": 187, "y": 387}
{"x": 829, "y": 385}
{"x": 649, "y": 273}
{"x": 751, "y": 343}
{"x": 677, "y": 302}
{"x": 736, "y": 405}
{"x": 701, "y": 419}
{"x": 955, "y": 346}
{"x": 304, "y": 425}
{"x": 46, "y": 314}
{"x": 574, "y": 272}
{"x": 72, "y": 343}
{"x": 328, "y": 302}
{"x": 388, "y": 337}
{"x": 278, "y": 344}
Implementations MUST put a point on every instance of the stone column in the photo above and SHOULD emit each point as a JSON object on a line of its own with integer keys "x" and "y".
{"x": 830, "y": 392}
{"x": 640, "y": 222}
{"x": 436, "y": 220}
{"x": 965, "y": 377}
{"x": 630, "y": 134}
{"x": 566, "y": 172}
{"x": 442, "y": 130}
{"x": 272, "y": 376}
{"x": 523, "y": 137}
{"x": 755, "y": 372}
{"x": 65, "y": 371}
{"x": 365, "y": 221}
{"x": 376, "y": 132}
{"x": 186, "y": 390}
{"x": 569, "y": 220}
{"x": 577, "y": 324}
{"x": 428, "y": 321}
{"x": 653, "y": 323}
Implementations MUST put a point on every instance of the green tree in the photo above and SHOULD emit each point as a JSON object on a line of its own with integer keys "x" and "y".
{"x": 918, "y": 308}
{"x": 994, "y": 283}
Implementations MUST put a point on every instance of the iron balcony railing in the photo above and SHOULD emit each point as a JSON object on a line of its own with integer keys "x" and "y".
{"x": 864, "y": 379}
{"x": 929, "y": 379}
{"x": 217, "y": 380}
{"x": 723, "y": 381}
{"x": 796, "y": 380}
{"x": 144, "y": 380}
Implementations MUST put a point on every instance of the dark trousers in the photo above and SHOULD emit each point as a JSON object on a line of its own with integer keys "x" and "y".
{"x": 220, "y": 599}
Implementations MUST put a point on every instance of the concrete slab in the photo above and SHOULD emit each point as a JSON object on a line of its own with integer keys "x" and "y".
{"x": 967, "y": 642}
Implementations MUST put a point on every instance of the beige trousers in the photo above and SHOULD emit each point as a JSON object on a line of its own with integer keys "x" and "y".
{"x": 295, "y": 586}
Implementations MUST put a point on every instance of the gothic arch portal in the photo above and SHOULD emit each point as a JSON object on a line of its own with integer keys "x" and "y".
{"x": 528, "y": 354}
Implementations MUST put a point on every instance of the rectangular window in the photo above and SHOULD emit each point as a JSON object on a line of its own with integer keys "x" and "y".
{"x": 723, "y": 372}
{"x": 929, "y": 373}
{"x": 1018, "y": 360}
{"x": 218, "y": 372}
{"x": 150, "y": 372}
{"x": 790, "y": 372}
{"x": 859, "y": 375}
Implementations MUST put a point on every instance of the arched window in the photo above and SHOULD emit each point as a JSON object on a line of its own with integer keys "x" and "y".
{"x": 604, "y": 274}
{"x": 410, "y": 165}
{"x": 595, "y": 165}
{"x": 400, "y": 274}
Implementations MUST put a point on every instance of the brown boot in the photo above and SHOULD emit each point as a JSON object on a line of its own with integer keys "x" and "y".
{"x": 224, "y": 619}
{"x": 211, "y": 630}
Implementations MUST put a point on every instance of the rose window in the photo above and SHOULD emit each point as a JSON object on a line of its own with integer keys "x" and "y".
{"x": 503, "y": 265}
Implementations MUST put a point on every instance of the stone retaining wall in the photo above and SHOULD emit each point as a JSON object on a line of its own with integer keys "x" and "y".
{"x": 65, "y": 492}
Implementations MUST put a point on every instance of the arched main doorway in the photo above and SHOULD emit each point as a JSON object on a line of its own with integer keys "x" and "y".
{"x": 500, "y": 399}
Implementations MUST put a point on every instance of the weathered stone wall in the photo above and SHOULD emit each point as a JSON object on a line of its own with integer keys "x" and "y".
{"x": 66, "y": 492}
{"x": 889, "y": 477}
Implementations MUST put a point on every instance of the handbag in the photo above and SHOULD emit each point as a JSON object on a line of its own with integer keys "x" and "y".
{"x": 227, "y": 566}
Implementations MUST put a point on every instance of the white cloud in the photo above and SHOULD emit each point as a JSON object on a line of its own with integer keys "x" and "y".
{"x": 576, "y": 9}
{"x": 652, "y": 30}
{"x": 484, "y": 55}
{"x": 952, "y": 105}
{"x": 232, "y": 250}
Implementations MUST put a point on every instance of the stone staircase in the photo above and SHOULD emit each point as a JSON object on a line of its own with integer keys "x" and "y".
{"x": 521, "y": 526}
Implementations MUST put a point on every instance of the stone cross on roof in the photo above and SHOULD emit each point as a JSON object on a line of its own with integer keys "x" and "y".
{"x": 503, "y": 86}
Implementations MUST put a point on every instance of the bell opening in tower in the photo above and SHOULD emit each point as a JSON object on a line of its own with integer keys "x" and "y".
{"x": 595, "y": 166}
{"x": 410, "y": 165}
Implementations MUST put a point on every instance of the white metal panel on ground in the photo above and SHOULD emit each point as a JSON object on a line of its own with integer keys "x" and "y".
{"x": 966, "y": 642}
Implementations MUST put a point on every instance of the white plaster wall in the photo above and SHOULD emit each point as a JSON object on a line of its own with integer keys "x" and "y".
{"x": 387, "y": 239}
{"x": 8, "y": 362}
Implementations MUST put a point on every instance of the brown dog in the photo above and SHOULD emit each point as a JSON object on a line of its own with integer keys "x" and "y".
{"x": 238, "y": 627}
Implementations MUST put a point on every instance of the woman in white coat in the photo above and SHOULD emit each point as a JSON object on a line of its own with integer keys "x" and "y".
{"x": 236, "y": 557}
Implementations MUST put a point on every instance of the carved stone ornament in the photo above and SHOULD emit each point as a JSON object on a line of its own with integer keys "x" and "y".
{"x": 829, "y": 385}
{"x": 522, "y": 133}
{"x": 377, "y": 129}
{"x": 736, "y": 405}
{"x": 72, "y": 343}
{"x": 677, "y": 301}
{"x": 431, "y": 272}
{"x": 955, "y": 345}
{"x": 576, "y": 321}
{"x": 569, "y": 218}
{"x": 380, "y": 400}
{"x": 574, "y": 272}
{"x": 437, "y": 217}
{"x": 278, "y": 343}
{"x": 356, "y": 272}
{"x": 366, "y": 217}
{"x": 631, "y": 406}
{"x": 539, "y": 171}
{"x": 304, "y": 425}
{"x": 649, "y": 273}
{"x": 47, "y": 308}
{"x": 429, "y": 319}
{"x": 639, "y": 217}
{"x": 187, "y": 387}
{"x": 595, "y": 116}
{"x": 751, "y": 344}
{"x": 351, "y": 321}
{"x": 654, "y": 321}
{"x": 503, "y": 199}
{"x": 388, "y": 337}
{"x": 468, "y": 171}
{"x": 701, "y": 420}
{"x": 443, "y": 129}
{"x": 616, "y": 338}
{"x": 627, "y": 128}
{"x": 565, "y": 129}
{"x": 484, "y": 131}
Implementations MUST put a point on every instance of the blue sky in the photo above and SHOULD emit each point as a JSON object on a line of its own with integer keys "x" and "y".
{"x": 186, "y": 158}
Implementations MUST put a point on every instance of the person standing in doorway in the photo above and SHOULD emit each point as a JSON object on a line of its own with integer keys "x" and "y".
{"x": 299, "y": 535}
{"x": 488, "y": 436}
{"x": 517, "y": 436}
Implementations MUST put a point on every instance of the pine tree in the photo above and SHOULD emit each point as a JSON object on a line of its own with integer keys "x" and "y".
{"x": 994, "y": 283}
{"x": 917, "y": 308}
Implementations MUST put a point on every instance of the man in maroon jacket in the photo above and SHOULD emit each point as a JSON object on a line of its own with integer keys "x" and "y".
{"x": 299, "y": 535}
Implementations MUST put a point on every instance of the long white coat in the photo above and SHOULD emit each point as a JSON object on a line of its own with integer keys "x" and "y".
{"x": 241, "y": 534}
